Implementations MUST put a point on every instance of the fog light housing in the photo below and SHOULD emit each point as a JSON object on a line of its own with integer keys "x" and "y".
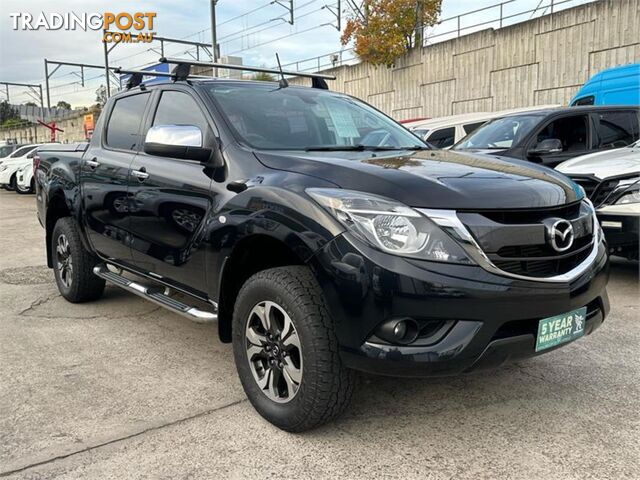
{"x": 399, "y": 331}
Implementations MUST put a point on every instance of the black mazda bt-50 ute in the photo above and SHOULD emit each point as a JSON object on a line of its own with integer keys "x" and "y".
{"x": 322, "y": 237}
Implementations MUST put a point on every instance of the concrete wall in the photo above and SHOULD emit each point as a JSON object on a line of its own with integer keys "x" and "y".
{"x": 73, "y": 127}
{"x": 537, "y": 62}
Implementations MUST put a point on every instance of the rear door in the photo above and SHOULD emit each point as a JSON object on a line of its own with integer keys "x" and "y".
{"x": 616, "y": 128}
{"x": 105, "y": 176}
{"x": 169, "y": 199}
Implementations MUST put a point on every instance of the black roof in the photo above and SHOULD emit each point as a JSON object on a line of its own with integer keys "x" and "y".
{"x": 581, "y": 108}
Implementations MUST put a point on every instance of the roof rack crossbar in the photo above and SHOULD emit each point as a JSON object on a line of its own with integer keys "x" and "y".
{"x": 137, "y": 76}
{"x": 245, "y": 68}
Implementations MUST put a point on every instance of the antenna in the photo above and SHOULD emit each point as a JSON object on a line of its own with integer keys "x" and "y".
{"x": 283, "y": 81}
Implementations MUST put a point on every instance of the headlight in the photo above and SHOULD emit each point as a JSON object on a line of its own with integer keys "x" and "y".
{"x": 597, "y": 228}
{"x": 3, "y": 168}
{"x": 389, "y": 225}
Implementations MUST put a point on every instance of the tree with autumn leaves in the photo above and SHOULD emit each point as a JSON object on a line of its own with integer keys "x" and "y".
{"x": 383, "y": 30}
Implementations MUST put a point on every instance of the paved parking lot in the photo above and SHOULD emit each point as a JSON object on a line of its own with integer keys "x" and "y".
{"x": 122, "y": 389}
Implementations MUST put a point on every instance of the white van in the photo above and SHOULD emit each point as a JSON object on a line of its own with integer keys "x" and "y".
{"x": 444, "y": 132}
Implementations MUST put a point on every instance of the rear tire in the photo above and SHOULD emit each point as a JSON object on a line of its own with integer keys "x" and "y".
{"x": 73, "y": 264}
{"x": 300, "y": 326}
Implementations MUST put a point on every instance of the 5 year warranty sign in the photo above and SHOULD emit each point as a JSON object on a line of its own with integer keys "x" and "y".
{"x": 563, "y": 328}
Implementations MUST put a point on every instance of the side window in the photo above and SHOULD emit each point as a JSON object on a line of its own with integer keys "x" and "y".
{"x": 470, "y": 127}
{"x": 21, "y": 152}
{"x": 443, "y": 138}
{"x": 618, "y": 129}
{"x": 179, "y": 108}
{"x": 584, "y": 101}
{"x": 124, "y": 122}
{"x": 571, "y": 131}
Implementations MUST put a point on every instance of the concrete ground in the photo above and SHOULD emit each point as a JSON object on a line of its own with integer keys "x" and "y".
{"x": 121, "y": 389}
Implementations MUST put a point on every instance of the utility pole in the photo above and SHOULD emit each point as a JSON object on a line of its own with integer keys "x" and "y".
{"x": 106, "y": 62}
{"x": 419, "y": 27}
{"x": 32, "y": 93}
{"x": 46, "y": 79}
{"x": 214, "y": 36}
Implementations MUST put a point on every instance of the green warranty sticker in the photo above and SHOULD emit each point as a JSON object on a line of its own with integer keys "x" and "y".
{"x": 563, "y": 328}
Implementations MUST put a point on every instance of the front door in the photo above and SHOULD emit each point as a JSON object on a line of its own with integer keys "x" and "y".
{"x": 573, "y": 131}
{"x": 168, "y": 203}
{"x": 105, "y": 177}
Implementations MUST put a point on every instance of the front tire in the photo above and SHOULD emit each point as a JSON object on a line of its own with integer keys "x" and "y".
{"x": 13, "y": 183}
{"x": 286, "y": 350}
{"x": 73, "y": 264}
{"x": 24, "y": 190}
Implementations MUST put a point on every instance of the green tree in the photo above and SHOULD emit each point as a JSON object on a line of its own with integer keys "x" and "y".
{"x": 264, "y": 77}
{"x": 31, "y": 104}
{"x": 64, "y": 105}
{"x": 101, "y": 95}
{"x": 14, "y": 122}
{"x": 388, "y": 29}
{"x": 8, "y": 112}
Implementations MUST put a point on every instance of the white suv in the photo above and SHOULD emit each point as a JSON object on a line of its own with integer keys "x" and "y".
{"x": 14, "y": 162}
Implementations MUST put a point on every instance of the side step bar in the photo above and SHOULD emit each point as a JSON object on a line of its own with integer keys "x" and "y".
{"x": 155, "y": 294}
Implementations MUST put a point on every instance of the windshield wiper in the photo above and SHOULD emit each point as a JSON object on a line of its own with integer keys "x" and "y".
{"x": 416, "y": 147}
{"x": 358, "y": 148}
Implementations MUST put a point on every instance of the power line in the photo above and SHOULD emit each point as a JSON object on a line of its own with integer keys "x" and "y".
{"x": 241, "y": 33}
{"x": 281, "y": 38}
{"x": 246, "y": 13}
{"x": 270, "y": 27}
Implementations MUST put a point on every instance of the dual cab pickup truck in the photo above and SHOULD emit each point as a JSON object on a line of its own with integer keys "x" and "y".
{"x": 322, "y": 236}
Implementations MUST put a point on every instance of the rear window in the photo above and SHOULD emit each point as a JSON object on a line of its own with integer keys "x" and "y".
{"x": 618, "y": 129}
{"x": 124, "y": 122}
{"x": 443, "y": 138}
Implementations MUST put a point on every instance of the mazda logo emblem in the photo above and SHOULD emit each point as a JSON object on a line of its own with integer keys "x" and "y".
{"x": 561, "y": 235}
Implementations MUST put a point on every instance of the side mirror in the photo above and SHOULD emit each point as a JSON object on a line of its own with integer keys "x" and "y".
{"x": 547, "y": 147}
{"x": 180, "y": 141}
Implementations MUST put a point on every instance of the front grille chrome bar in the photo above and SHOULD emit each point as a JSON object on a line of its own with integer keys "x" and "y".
{"x": 448, "y": 220}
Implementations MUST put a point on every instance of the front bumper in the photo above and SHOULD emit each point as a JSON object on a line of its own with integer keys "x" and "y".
{"x": 5, "y": 176}
{"x": 621, "y": 228}
{"x": 493, "y": 318}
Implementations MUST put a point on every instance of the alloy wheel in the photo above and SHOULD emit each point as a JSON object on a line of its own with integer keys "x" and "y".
{"x": 274, "y": 351}
{"x": 186, "y": 219}
{"x": 64, "y": 261}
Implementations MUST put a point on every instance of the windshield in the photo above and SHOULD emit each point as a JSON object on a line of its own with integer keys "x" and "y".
{"x": 271, "y": 118}
{"x": 500, "y": 133}
{"x": 5, "y": 150}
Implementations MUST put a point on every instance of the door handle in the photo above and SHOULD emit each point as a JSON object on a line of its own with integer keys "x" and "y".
{"x": 93, "y": 163}
{"x": 141, "y": 174}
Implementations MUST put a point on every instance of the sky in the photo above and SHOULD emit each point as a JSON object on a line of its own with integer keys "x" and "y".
{"x": 252, "y": 29}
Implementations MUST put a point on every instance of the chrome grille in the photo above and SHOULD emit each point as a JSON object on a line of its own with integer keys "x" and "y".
{"x": 517, "y": 242}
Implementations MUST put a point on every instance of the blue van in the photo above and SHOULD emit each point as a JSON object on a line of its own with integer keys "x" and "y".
{"x": 614, "y": 86}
